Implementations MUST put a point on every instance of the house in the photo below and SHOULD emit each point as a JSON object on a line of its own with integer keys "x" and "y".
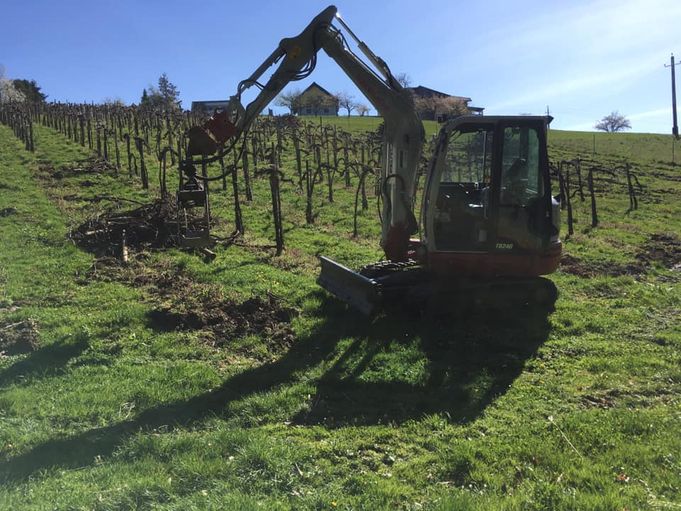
{"x": 208, "y": 107}
{"x": 432, "y": 105}
{"x": 316, "y": 100}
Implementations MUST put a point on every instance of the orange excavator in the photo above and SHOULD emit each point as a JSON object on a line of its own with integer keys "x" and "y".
{"x": 488, "y": 225}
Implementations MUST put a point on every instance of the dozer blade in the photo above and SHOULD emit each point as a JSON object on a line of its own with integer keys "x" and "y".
{"x": 360, "y": 292}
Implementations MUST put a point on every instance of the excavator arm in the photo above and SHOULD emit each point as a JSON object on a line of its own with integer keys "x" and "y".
{"x": 403, "y": 131}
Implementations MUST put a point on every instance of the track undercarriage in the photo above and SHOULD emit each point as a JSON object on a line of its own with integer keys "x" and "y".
{"x": 409, "y": 285}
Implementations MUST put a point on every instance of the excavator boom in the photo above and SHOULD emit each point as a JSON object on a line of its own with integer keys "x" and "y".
{"x": 403, "y": 131}
{"x": 403, "y": 135}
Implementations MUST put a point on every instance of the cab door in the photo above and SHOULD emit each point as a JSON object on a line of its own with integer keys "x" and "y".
{"x": 523, "y": 212}
{"x": 459, "y": 189}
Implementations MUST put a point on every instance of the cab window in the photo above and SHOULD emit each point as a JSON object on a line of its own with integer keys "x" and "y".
{"x": 468, "y": 158}
{"x": 460, "y": 220}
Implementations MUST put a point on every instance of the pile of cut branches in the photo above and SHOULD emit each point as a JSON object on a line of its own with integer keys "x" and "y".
{"x": 149, "y": 225}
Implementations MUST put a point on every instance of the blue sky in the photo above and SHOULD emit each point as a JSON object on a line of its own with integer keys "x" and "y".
{"x": 583, "y": 59}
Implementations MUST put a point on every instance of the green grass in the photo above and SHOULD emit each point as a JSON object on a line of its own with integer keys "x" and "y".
{"x": 575, "y": 410}
{"x": 355, "y": 124}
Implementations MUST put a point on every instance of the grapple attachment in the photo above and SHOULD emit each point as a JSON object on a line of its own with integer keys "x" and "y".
{"x": 359, "y": 291}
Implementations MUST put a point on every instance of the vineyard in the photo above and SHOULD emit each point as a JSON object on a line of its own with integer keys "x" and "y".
{"x": 137, "y": 142}
{"x": 138, "y": 371}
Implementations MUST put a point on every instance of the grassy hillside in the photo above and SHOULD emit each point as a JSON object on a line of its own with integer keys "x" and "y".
{"x": 355, "y": 124}
{"x": 238, "y": 384}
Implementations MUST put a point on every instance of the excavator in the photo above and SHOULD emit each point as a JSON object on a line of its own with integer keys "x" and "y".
{"x": 488, "y": 226}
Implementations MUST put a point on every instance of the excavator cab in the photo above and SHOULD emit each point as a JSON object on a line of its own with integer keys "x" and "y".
{"x": 488, "y": 209}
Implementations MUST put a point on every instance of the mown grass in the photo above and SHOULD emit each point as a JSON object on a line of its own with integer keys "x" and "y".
{"x": 578, "y": 409}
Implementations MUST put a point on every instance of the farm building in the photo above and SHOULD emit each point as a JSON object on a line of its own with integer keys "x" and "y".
{"x": 430, "y": 109}
{"x": 316, "y": 100}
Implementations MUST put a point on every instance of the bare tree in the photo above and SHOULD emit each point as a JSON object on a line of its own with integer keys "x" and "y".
{"x": 113, "y": 101}
{"x": 347, "y": 101}
{"x": 613, "y": 123}
{"x": 403, "y": 79}
{"x": 288, "y": 99}
{"x": 362, "y": 109}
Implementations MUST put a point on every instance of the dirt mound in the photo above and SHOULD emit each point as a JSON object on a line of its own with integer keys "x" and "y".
{"x": 188, "y": 305}
{"x": 18, "y": 338}
{"x": 224, "y": 320}
{"x": 664, "y": 249}
{"x": 180, "y": 303}
{"x": 92, "y": 165}
{"x": 148, "y": 226}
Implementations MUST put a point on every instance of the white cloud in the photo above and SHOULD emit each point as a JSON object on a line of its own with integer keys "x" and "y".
{"x": 652, "y": 114}
{"x": 593, "y": 82}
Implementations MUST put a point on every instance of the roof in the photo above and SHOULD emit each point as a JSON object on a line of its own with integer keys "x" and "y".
{"x": 315, "y": 84}
{"x": 427, "y": 92}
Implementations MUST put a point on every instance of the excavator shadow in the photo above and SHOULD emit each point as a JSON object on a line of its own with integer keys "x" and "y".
{"x": 386, "y": 370}
{"x": 445, "y": 363}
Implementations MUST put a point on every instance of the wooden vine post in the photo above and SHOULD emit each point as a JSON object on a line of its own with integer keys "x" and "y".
{"x": 592, "y": 194}
{"x": 238, "y": 218}
{"x": 276, "y": 203}
{"x": 571, "y": 230}
{"x": 139, "y": 143}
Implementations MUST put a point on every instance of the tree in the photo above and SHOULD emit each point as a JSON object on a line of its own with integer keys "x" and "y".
{"x": 144, "y": 101}
{"x": 403, "y": 79}
{"x": 165, "y": 97}
{"x": 613, "y": 123}
{"x": 113, "y": 101}
{"x": 8, "y": 93}
{"x": 288, "y": 99}
{"x": 362, "y": 109}
{"x": 30, "y": 90}
{"x": 434, "y": 107}
{"x": 169, "y": 93}
{"x": 450, "y": 107}
{"x": 346, "y": 101}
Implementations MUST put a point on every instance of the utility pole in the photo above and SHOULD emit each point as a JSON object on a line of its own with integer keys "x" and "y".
{"x": 675, "y": 127}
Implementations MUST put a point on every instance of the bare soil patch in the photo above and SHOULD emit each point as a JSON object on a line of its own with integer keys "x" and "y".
{"x": 576, "y": 266}
{"x": 180, "y": 303}
{"x": 663, "y": 249}
{"x": 19, "y": 337}
{"x": 660, "y": 248}
{"x": 92, "y": 165}
{"x": 611, "y": 398}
